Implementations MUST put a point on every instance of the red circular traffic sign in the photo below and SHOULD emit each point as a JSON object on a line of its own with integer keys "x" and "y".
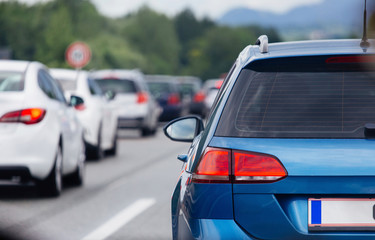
{"x": 78, "y": 54}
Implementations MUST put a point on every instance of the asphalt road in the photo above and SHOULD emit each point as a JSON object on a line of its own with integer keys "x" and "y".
{"x": 124, "y": 197}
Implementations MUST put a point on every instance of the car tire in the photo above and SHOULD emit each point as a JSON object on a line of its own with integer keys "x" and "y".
{"x": 145, "y": 132}
{"x": 52, "y": 185}
{"x": 97, "y": 152}
{"x": 153, "y": 131}
{"x": 113, "y": 151}
{"x": 78, "y": 176}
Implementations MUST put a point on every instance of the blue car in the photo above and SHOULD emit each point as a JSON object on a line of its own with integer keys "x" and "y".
{"x": 166, "y": 91}
{"x": 288, "y": 150}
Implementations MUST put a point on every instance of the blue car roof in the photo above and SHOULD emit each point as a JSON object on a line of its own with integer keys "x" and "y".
{"x": 304, "y": 48}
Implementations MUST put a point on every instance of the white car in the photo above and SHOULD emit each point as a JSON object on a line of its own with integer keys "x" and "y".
{"x": 136, "y": 107}
{"x": 96, "y": 114}
{"x": 41, "y": 138}
{"x": 211, "y": 88}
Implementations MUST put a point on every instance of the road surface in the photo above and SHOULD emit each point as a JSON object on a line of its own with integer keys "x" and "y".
{"x": 124, "y": 197}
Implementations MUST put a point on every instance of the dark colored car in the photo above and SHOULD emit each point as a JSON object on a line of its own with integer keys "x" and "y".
{"x": 165, "y": 90}
{"x": 190, "y": 90}
{"x": 288, "y": 150}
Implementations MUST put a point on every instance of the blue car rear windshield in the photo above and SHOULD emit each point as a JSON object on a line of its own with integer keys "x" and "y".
{"x": 302, "y": 97}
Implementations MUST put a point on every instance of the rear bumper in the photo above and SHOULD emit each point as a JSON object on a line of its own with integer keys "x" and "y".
{"x": 31, "y": 148}
{"x": 210, "y": 229}
{"x": 8, "y": 173}
{"x": 170, "y": 113}
{"x": 196, "y": 108}
{"x": 287, "y": 216}
{"x": 130, "y": 123}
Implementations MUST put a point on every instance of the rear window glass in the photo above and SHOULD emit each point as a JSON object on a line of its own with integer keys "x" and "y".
{"x": 11, "y": 82}
{"x": 117, "y": 85}
{"x": 158, "y": 89}
{"x": 187, "y": 89}
{"x": 67, "y": 84}
{"x": 300, "y": 98}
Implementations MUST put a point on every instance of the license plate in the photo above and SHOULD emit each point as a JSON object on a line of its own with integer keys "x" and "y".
{"x": 341, "y": 214}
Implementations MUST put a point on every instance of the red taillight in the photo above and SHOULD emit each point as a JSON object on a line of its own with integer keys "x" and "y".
{"x": 214, "y": 166}
{"x": 218, "y": 84}
{"x": 142, "y": 97}
{"x": 26, "y": 116}
{"x": 173, "y": 99}
{"x": 80, "y": 107}
{"x": 199, "y": 97}
{"x": 255, "y": 167}
{"x": 222, "y": 165}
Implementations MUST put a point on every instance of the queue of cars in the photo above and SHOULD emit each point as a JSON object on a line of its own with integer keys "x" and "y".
{"x": 288, "y": 146}
{"x": 35, "y": 115}
{"x": 60, "y": 117}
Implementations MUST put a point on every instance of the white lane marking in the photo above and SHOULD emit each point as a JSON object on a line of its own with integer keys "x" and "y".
{"x": 121, "y": 219}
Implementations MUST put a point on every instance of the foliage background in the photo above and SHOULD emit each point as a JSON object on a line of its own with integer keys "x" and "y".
{"x": 148, "y": 40}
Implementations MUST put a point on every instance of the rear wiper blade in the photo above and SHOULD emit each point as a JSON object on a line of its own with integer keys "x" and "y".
{"x": 370, "y": 130}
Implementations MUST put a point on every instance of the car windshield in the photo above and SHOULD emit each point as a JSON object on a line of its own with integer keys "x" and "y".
{"x": 117, "y": 85}
{"x": 11, "y": 82}
{"x": 300, "y": 98}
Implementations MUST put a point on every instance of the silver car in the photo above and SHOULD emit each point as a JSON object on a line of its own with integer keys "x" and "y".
{"x": 135, "y": 106}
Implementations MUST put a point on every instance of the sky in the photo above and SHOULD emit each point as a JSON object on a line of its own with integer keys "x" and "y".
{"x": 210, "y": 8}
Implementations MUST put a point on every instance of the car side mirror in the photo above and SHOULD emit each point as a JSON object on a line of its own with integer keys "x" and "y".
{"x": 110, "y": 95}
{"x": 77, "y": 102}
{"x": 184, "y": 129}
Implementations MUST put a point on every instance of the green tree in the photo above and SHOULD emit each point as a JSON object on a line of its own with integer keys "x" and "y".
{"x": 188, "y": 29}
{"x": 15, "y": 29}
{"x": 145, "y": 39}
{"x": 55, "y": 37}
{"x": 153, "y": 35}
{"x": 215, "y": 52}
{"x": 111, "y": 51}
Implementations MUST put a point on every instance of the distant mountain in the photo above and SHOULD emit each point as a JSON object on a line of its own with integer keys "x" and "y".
{"x": 330, "y": 18}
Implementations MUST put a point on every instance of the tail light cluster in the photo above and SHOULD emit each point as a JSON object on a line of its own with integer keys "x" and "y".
{"x": 224, "y": 166}
{"x": 199, "y": 97}
{"x": 142, "y": 97}
{"x": 26, "y": 116}
{"x": 80, "y": 107}
{"x": 173, "y": 99}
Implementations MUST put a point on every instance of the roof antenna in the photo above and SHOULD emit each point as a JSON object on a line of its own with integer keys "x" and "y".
{"x": 364, "y": 43}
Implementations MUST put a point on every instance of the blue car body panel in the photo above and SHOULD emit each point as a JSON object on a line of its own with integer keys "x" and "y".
{"x": 316, "y": 168}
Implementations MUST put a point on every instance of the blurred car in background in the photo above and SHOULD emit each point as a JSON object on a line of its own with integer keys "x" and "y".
{"x": 41, "y": 138}
{"x": 135, "y": 106}
{"x": 97, "y": 117}
{"x": 166, "y": 91}
{"x": 203, "y": 100}
{"x": 189, "y": 88}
